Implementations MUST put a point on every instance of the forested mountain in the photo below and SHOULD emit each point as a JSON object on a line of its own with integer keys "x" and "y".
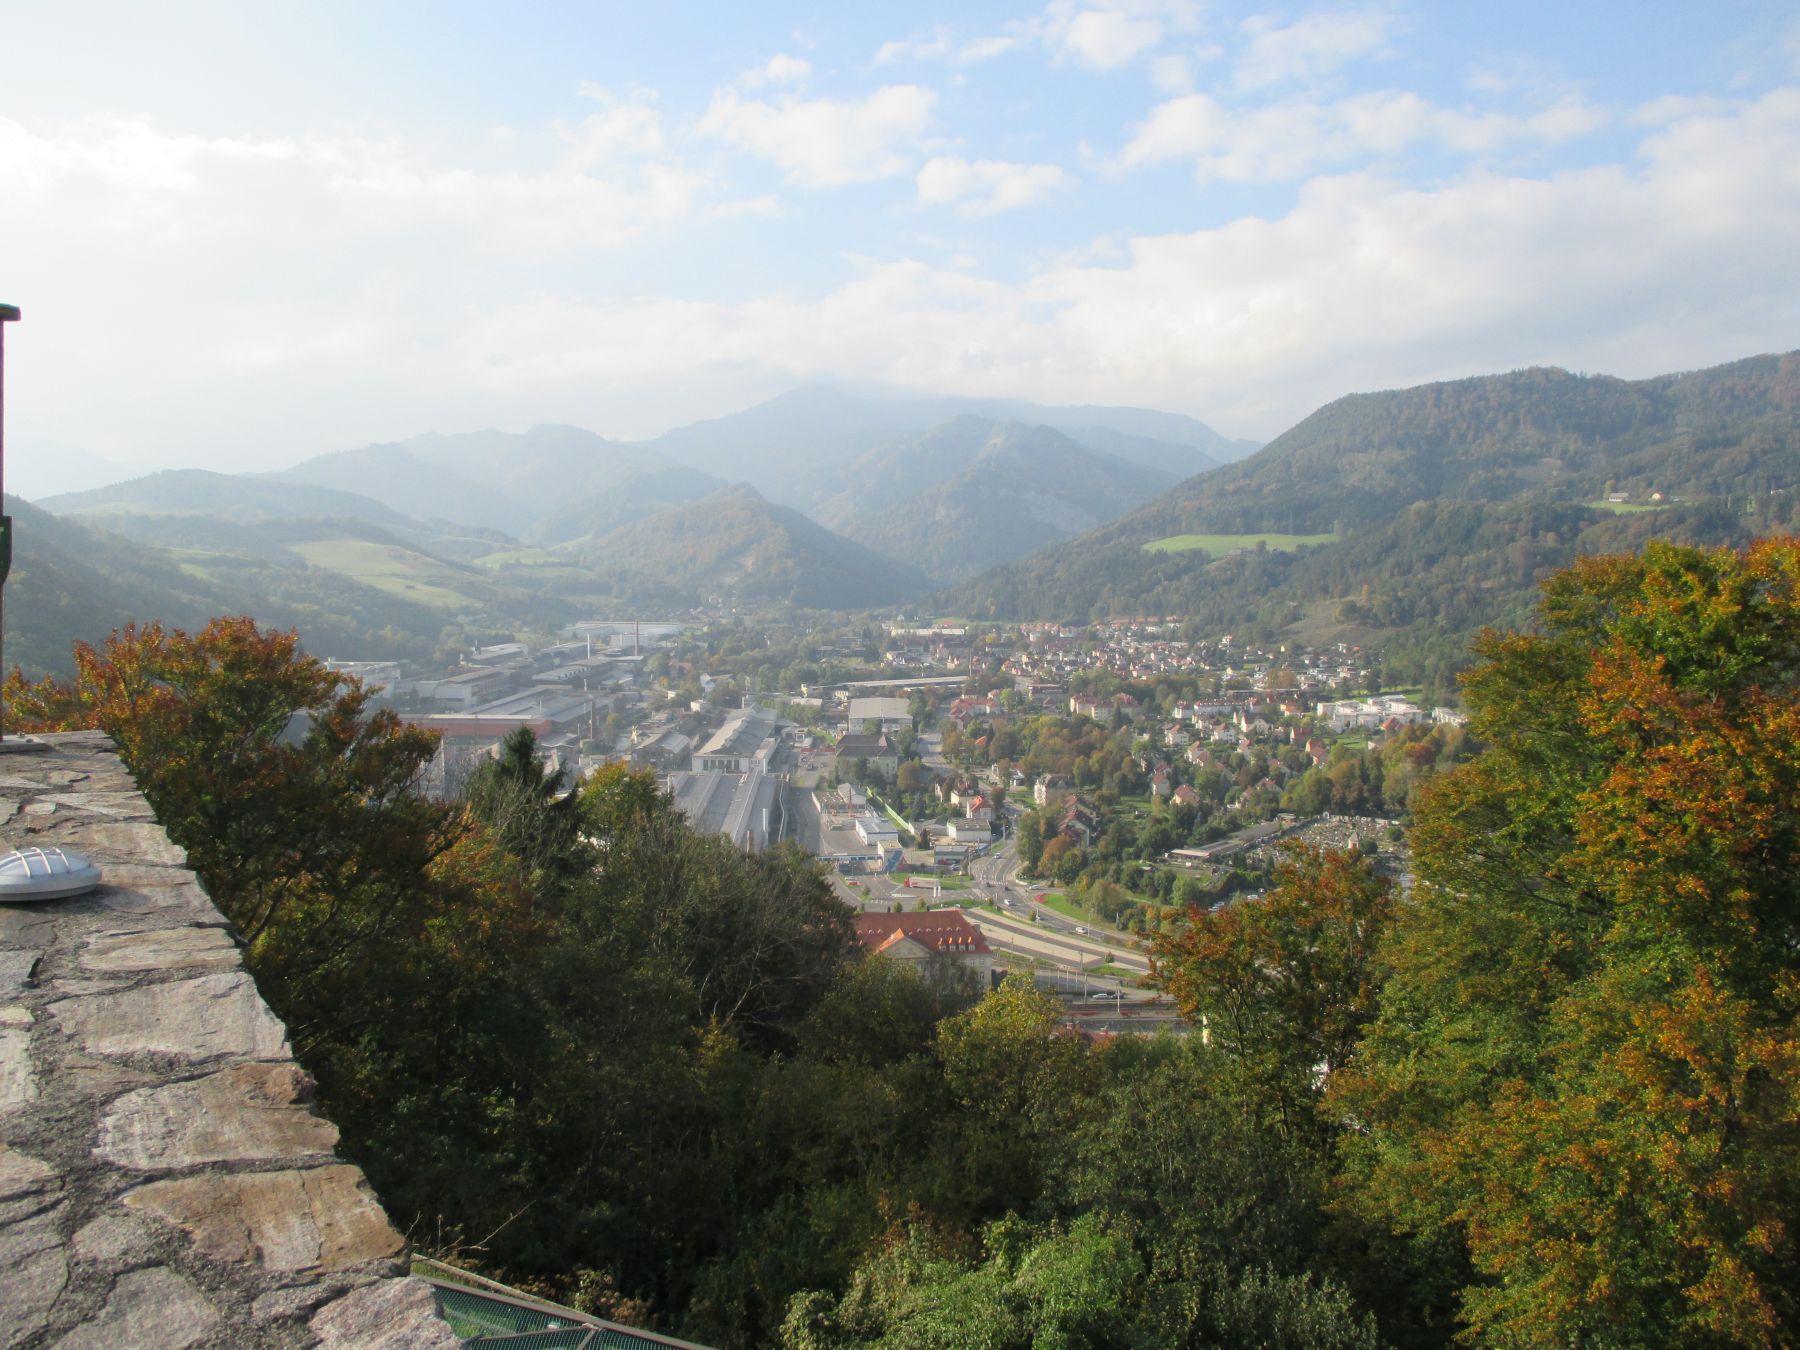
{"x": 636, "y": 494}
{"x": 850, "y": 462}
{"x": 402, "y": 480}
{"x": 73, "y": 581}
{"x": 1450, "y": 501}
{"x": 789, "y": 446}
{"x": 1544, "y": 433}
{"x": 736, "y": 547}
{"x": 200, "y": 492}
{"x": 548, "y": 484}
{"x": 976, "y": 492}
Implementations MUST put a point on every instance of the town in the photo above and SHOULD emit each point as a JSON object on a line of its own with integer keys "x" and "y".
{"x": 989, "y": 798}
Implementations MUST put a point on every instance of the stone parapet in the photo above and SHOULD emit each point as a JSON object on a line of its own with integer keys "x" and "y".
{"x": 164, "y": 1178}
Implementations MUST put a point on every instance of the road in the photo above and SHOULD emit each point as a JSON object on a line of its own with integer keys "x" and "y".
{"x": 1024, "y": 927}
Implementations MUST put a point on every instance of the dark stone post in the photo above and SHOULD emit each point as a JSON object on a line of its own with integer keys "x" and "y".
{"x": 8, "y": 314}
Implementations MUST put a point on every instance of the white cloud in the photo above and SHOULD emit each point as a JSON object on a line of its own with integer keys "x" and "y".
{"x": 617, "y": 129}
{"x": 941, "y": 45}
{"x": 986, "y": 48}
{"x": 768, "y": 204}
{"x": 244, "y": 302}
{"x": 983, "y": 187}
{"x": 779, "y": 69}
{"x": 1098, "y": 34}
{"x": 1308, "y": 48}
{"x": 1172, "y": 74}
{"x": 1291, "y": 139}
{"x": 1681, "y": 259}
{"x": 1108, "y": 38}
{"x": 826, "y": 142}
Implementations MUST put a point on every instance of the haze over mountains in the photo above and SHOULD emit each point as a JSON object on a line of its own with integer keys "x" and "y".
{"x": 820, "y": 498}
{"x": 1411, "y": 515}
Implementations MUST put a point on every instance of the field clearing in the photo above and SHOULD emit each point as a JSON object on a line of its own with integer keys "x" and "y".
{"x": 1218, "y": 545}
{"x": 388, "y": 567}
{"x": 1626, "y": 508}
{"x": 1056, "y": 900}
{"x": 519, "y": 557}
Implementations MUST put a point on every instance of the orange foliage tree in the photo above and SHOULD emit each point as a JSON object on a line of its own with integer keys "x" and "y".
{"x": 1586, "y": 1064}
{"x": 293, "y": 798}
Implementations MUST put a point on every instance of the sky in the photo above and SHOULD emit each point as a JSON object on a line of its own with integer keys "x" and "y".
{"x": 246, "y": 234}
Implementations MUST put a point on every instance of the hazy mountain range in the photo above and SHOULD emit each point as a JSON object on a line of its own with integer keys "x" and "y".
{"x": 1408, "y": 516}
{"x": 820, "y": 498}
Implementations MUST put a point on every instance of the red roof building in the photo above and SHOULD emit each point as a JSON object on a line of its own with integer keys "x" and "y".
{"x": 922, "y": 935}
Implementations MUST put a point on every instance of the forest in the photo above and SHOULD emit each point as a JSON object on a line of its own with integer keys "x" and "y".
{"x": 1545, "y": 1096}
{"x": 1451, "y": 503}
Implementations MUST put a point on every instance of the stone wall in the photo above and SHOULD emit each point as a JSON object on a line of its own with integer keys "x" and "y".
{"x": 164, "y": 1179}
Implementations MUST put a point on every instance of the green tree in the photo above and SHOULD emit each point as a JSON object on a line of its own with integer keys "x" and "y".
{"x": 1285, "y": 985}
{"x": 537, "y": 818}
{"x": 1586, "y": 1065}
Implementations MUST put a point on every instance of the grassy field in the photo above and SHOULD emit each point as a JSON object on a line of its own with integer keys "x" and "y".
{"x": 1218, "y": 545}
{"x": 1066, "y": 907}
{"x": 1625, "y": 508}
{"x": 519, "y": 557}
{"x": 387, "y": 567}
{"x": 1119, "y": 973}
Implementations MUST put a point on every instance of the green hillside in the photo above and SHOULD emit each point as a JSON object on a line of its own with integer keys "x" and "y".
{"x": 976, "y": 493}
{"x": 235, "y": 497}
{"x": 71, "y": 580}
{"x": 736, "y": 547}
{"x": 1450, "y": 502}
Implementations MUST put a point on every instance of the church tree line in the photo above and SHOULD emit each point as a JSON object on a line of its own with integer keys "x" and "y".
{"x": 1549, "y": 1096}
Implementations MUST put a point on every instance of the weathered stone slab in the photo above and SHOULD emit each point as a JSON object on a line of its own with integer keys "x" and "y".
{"x": 121, "y": 805}
{"x": 34, "y": 1281}
{"x": 112, "y": 1239}
{"x": 392, "y": 1315}
{"x": 18, "y": 1080}
{"x": 147, "y": 1307}
{"x": 28, "y": 1185}
{"x": 107, "y": 841}
{"x": 15, "y": 969}
{"x": 29, "y": 924}
{"x": 211, "y": 1017}
{"x": 159, "y": 1067}
{"x": 321, "y": 1218}
{"x": 33, "y": 1266}
{"x": 160, "y": 949}
{"x": 168, "y": 903}
{"x": 247, "y": 1113}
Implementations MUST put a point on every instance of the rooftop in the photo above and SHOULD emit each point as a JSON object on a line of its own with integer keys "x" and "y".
{"x": 939, "y": 930}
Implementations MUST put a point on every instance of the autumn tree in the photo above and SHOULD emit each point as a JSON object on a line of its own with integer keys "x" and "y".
{"x": 1284, "y": 985}
{"x": 293, "y": 798}
{"x": 1585, "y": 1065}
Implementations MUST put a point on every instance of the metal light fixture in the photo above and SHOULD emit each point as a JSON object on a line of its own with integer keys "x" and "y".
{"x": 45, "y": 874}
